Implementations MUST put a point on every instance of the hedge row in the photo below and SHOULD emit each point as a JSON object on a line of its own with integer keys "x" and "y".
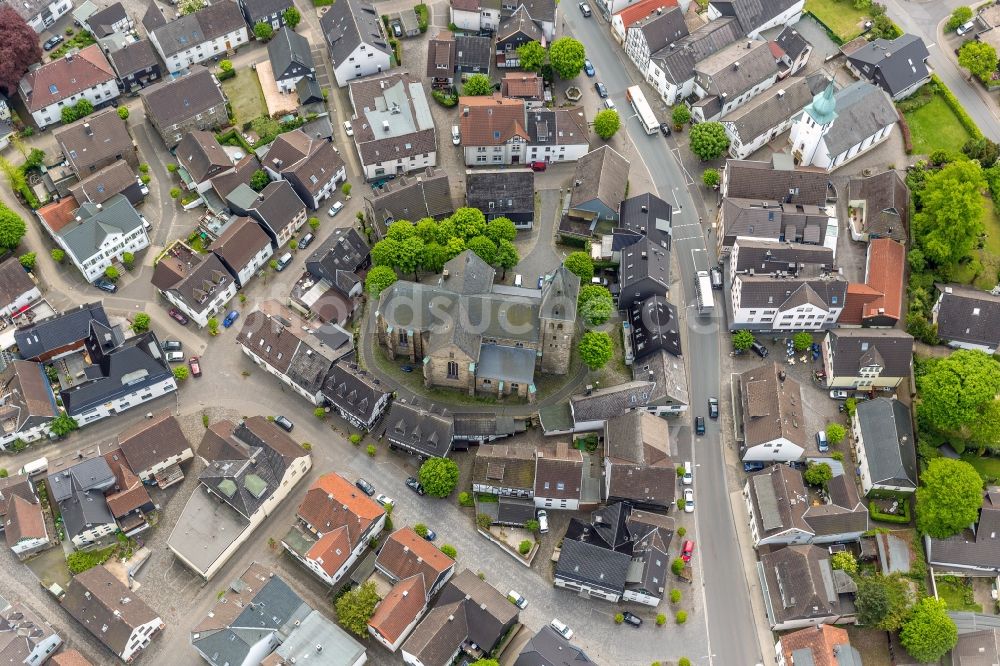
{"x": 829, "y": 31}
{"x": 957, "y": 108}
{"x": 905, "y": 128}
{"x": 889, "y": 517}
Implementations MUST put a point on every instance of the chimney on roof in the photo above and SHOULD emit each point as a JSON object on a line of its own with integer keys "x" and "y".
{"x": 68, "y": 56}
{"x": 385, "y": 125}
{"x": 645, "y": 208}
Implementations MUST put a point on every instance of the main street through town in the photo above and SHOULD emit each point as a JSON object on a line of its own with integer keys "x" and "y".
{"x": 731, "y": 630}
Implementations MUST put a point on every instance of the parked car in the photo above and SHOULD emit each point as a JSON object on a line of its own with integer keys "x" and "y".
{"x": 142, "y": 187}
{"x": 414, "y": 485}
{"x": 431, "y": 535}
{"x": 306, "y": 241}
{"x": 283, "y": 262}
{"x": 348, "y": 129}
{"x": 688, "y": 477}
{"x": 283, "y": 423}
{"x": 821, "y": 444}
{"x": 665, "y": 129}
{"x": 195, "y": 364}
{"x": 961, "y": 30}
{"x": 601, "y": 89}
{"x": 171, "y": 345}
{"x": 145, "y": 223}
{"x": 105, "y": 284}
{"x": 585, "y": 9}
{"x": 538, "y": 166}
{"x": 174, "y": 357}
{"x": 335, "y": 208}
{"x": 699, "y": 425}
{"x": 365, "y": 487}
{"x": 687, "y": 550}
{"x": 561, "y": 629}
{"x": 759, "y": 349}
{"x": 543, "y": 521}
{"x": 610, "y": 104}
{"x": 516, "y": 599}
{"x": 384, "y": 500}
{"x": 632, "y": 619}
{"x": 752, "y": 467}
{"x": 406, "y": 368}
{"x": 397, "y": 29}
{"x": 688, "y": 500}
{"x": 716, "y": 278}
{"x": 178, "y": 316}
{"x": 456, "y": 135}
{"x": 56, "y": 40}
{"x": 839, "y": 395}
{"x": 588, "y": 67}
{"x": 713, "y": 408}
{"x": 230, "y": 319}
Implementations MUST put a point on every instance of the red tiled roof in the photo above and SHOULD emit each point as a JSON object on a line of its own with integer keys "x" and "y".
{"x": 491, "y": 121}
{"x": 399, "y": 609}
{"x": 776, "y": 50}
{"x": 68, "y": 76}
{"x": 69, "y": 658}
{"x": 819, "y": 640}
{"x": 405, "y": 554}
{"x": 886, "y": 265}
{"x": 57, "y": 215}
{"x": 858, "y": 297}
{"x": 333, "y": 502}
{"x": 332, "y": 550}
{"x": 641, "y": 10}
{"x": 24, "y": 521}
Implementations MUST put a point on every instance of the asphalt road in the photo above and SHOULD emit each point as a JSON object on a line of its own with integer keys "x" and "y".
{"x": 731, "y": 630}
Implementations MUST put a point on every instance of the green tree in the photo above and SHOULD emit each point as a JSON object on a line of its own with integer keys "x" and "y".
{"x": 14, "y": 174}
{"x": 438, "y": 476}
{"x": 677, "y": 566}
{"x": 346, "y": 189}
{"x": 421, "y": 530}
{"x": 314, "y": 223}
{"x": 607, "y": 123}
{"x": 929, "y": 632}
{"x": 378, "y": 279}
{"x": 213, "y": 326}
{"x": 434, "y": 257}
{"x": 882, "y": 25}
{"x": 292, "y": 17}
{"x": 483, "y": 521}
{"x": 981, "y": 149}
{"x": 180, "y": 372}
{"x": 567, "y": 55}
{"x": 675, "y": 596}
{"x": 140, "y": 323}
{"x": 400, "y": 230}
{"x": 595, "y": 304}
{"x": 427, "y": 229}
{"x": 681, "y": 617}
{"x": 449, "y": 550}
{"x": 524, "y": 547}
{"x": 123, "y": 112}
{"x": 259, "y": 180}
{"x": 189, "y": 6}
{"x": 531, "y": 525}
{"x": 263, "y": 31}
{"x": 12, "y": 228}
{"x": 319, "y": 413}
{"x": 58, "y": 255}
{"x": 801, "y": 341}
{"x": 112, "y": 273}
{"x": 955, "y": 390}
{"x": 411, "y": 252}
{"x": 128, "y": 260}
{"x": 83, "y": 108}
{"x": 63, "y": 425}
{"x": 882, "y": 601}
{"x": 680, "y": 115}
{"x": 507, "y": 257}
{"x": 835, "y": 433}
{"x": 385, "y": 252}
{"x": 356, "y": 607}
{"x": 581, "y": 265}
{"x": 979, "y": 58}
{"x": 595, "y": 349}
{"x": 531, "y": 56}
{"x": 484, "y": 248}
{"x": 501, "y": 229}
{"x": 708, "y": 140}
{"x": 683, "y": 661}
{"x": 469, "y": 222}
{"x": 818, "y": 474}
{"x": 844, "y": 560}
{"x": 959, "y": 15}
{"x": 743, "y": 340}
{"x": 175, "y": 192}
{"x": 478, "y": 85}
{"x": 949, "y": 497}
{"x": 950, "y": 219}
{"x": 27, "y": 260}
{"x": 225, "y": 66}
{"x": 710, "y": 177}
{"x": 68, "y": 115}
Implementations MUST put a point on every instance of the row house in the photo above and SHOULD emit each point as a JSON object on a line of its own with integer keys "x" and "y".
{"x": 196, "y": 284}
{"x": 732, "y": 77}
{"x": 85, "y": 74}
{"x": 27, "y": 403}
{"x": 670, "y": 69}
{"x": 271, "y": 12}
{"x": 95, "y": 142}
{"x": 356, "y": 40}
{"x": 41, "y": 14}
{"x": 200, "y": 158}
{"x": 878, "y": 303}
{"x": 801, "y": 588}
{"x": 513, "y": 32}
{"x": 217, "y": 30}
{"x": 17, "y": 288}
{"x": 414, "y": 197}
{"x": 756, "y": 16}
{"x": 243, "y": 248}
{"x": 185, "y": 104}
{"x": 625, "y": 18}
{"x": 277, "y": 209}
{"x": 662, "y": 27}
{"x": 313, "y": 167}
{"x": 867, "y": 359}
{"x": 476, "y": 15}
{"x": 358, "y": 396}
{"x": 291, "y": 59}
{"x": 774, "y": 426}
{"x": 781, "y": 302}
{"x": 493, "y": 130}
{"x": 557, "y": 135}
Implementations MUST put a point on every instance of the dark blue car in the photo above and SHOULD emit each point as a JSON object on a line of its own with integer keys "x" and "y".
{"x": 230, "y": 318}
{"x": 588, "y": 67}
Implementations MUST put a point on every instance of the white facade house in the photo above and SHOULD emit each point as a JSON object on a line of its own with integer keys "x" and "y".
{"x": 476, "y": 15}
{"x": 132, "y": 399}
{"x": 219, "y": 27}
{"x": 244, "y": 249}
{"x": 41, "y": 14}
{"x": 198, "y": 285}
{"x": 774, "y": 428}
{"x": 356, "y": 40}
{"x": 17, "y": 289}
{"x": 756, "y": 17}
{"x": 47, "y": 90}
{"x": 885, "y": 446}
{"x": 779, "y": 303}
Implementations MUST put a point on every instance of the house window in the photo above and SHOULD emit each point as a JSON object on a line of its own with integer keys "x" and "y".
{"x": 452, "y": 370}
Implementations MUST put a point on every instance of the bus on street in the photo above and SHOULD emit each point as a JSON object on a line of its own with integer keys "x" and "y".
{"x": 642, "y": 109}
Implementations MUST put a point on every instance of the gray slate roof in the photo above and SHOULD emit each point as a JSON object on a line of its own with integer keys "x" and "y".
{"x": 648, "y": 215}
{"x": 792, "y": 42}
{"x": 777, "y": 105}
{"x": 662, "y": 30}
{"x": 602, "y": 174}
{"x": 206, "y": 24}
{"x": 339, "y": 259}
{"x": 784, "y": 293}
{"x": 348, "y": 24}
{"x": 592, "y": 565}
{"x": 968, "y": 315}
{"x": 473, "y": 51}
{"x": 261, "y": 9}
{"x": 606, "y": 403}
{"x": 981, "y": 551}
{"x": 853, "y": 347}
{"x": 774, "y": 181}
{"x": 100, "y": 22}
{"x": 645, "y": 267}
{"x": 892, "y": 65}
{"x": 889, "y": 444}
{"x": 509, "y": 190}
{"x": 801, "y": 584}
{"x": 977, "y": 648}
{"x": 678, "y": 63}
{"x": 752, "y": 13}
{"x": 85, "y": 237}
{"x": 413, "y": 197}
{"x": 768, "y": 256}
{"x": 353, "y": 390}
{"x": 14, "y": 281}
{"x": 417, "y": 429}
{"x": 862, "y": 110}
{"x": 549, "y": 648}
{"x": 887, "y": 204}
{"x": 94, "y": 139}
{"x": 47, "y": 335}
{"x": 655, "y": 326}
{"x": 508, "y": 364}
{"x": 288, "y": 48}
{"x": 176, "y": 100}
{"x": 736, "y": 69}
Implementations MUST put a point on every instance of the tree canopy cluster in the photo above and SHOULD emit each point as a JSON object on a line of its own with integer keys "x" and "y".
{"x": 949, "y": 497}
{"x": 958, "y": 397}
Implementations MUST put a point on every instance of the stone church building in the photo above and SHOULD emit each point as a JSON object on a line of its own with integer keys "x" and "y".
{"x": 482, "y": 338}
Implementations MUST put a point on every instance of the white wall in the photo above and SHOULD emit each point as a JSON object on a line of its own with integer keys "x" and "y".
{"x": 179, "y": 62}
{"x": 780, "y": 449}
{"x": 365, "y": 61}
{"x": 209, "y": 309}
{"x": 255, "y": 264}
{"x": 466, "y": 20}
{"x": 550, "y": 503}
{"x": 407, "y": 164}
{"x": 30, "y": 435}
{"x": 562, "y": 153}
{"x": 140, "y": 638}
{"x": 43, "y": 650}
{"x": 23, "y": 300}
{"x": 56, "y": 9}
{"x": 29, "y": 545}
{"x": 93, "y": 534}
{"x": 113, "y": 247}
{"x": 148, "y": 474}
{"x": 315, "y": 398}
{"x": 133, "y": 399}
{"x": 591, "y": 592}
{"x": 99, "y": 94}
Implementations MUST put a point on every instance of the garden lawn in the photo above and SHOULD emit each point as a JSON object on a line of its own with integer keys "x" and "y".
{"x": 987, "y": 466}
{"x": 839, "y": 16}
{"x": 934, "y": 126}
{"x": 957, "y": 593}
{"x": 989, "y": 256}
{"x": 245, "y": 96}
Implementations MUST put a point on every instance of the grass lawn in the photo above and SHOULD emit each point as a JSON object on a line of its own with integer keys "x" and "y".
{"x": 872, "y": 645}
{"x": 987, "y": 466}
{"x": 244, "y": 93}
{"x": 957, "y": 593}
{"x": 838, "y": 15}
{"x": 989, "y": 256}
{"x": 935, "y": 127}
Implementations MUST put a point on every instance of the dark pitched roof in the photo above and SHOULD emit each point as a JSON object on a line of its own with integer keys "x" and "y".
{"x": 556, "y": 127}
{"x": 559, "y": 295}
{"x": 775, "y": 106}
{"x": 982, "y": 551}
{"x": 678, "y": 63}
{"x": 288, "y": 48}
{"x": 612, "y": 401}
{"x": 889, "y": 444}
{"x": 202, "y": 156}
{"x": 764, "y": 181}
{"x": 779, "y": 498}
{"x": 202, "y": 26}
{"x": 192, "y": 276}
{"x": 175, "y": 100}
{"x": 353, "y": 390}
{"x": 637, "y": 450}
{"x": 419, "y": 430}
{"x": 761, "y": 218}
{"x": 96, "y": 138}
{"x": 96, "y": 599}
{"x": 655, "y": 327}
{"x": 467, "y": 274}
{"x": 104, "y": 183}
{"x": 349, "y": 23}
{"x": 549, "y": 648}
{"x": 827, "y": 292}
{"x": 488, "y": 613}
{"x": 854, "y": 348}
{"x": 772, "y": 406}
{"x": 473, "y": 51}
{"x": 844, "y": 513}
{"x": 965, "y": 314}
{"x": 441, "y": 55}
{"x": 519, "y": 22}
{"x": 660, "y": 30}
{"x": 153, "y": 441}
{"x": 862, "y": 110}
{"x": 64, "y": 329}
{"x": 262, "y": 9}
{"x": 339, "y": 259}
{"x": 592, "y": 565}
{"x": 240, "y": 242}
{"x": 505, "y": 466}
{"x": 100, "y": 22}
{"x": 792, "y": 42}
{"x": 752, "y": 14}
{"x": 600, "y": 174}
{"x": 887, "y": 204}
{"x": 769, "y": 257}
{"x": 14, "y": 282}
{"x": 648, "y": 215}
{"x": 893, "y": 65}
{"x": 540, "y": 10}
{"x": 558, "y": 471}
{"x": 801, "y": 584}
{"x": 26, "y": 398}
{"x": 645, "y": 265}
{"x": 413, "y": 197}
{"x": 501, "y": 192}
{"x": 277, "y": 206}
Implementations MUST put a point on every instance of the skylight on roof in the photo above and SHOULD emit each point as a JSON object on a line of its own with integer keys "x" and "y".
{"x": 53, "y": 89}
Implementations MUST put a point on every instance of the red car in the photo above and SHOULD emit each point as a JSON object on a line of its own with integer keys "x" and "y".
{"x": 178, "y": 316}
{"x": 538, "y": 166}
{"x": 687, "y": 550}
{"x": 195, "y": 366}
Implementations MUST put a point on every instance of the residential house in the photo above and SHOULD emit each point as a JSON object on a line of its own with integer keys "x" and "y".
{"x": 96, "y": 236}
{"x": 155, "y": 448}
{"x": 78, "y": 488}
{"x": 184, "y": 104}
{"x": 971, "y": 552}
{"x": 69, "y": 658}
{"x": 671, "y": 70}
{"x": 766, "y": 257}
{"x": 96, "y": 599}
{"x": 200, "y": 157}
{"x": 646, "y": 215}
{"x": 257, "y": 466}
{"x": 211, "y": 32}
{"x": 658, "y": 28}
{"x": 358, "y": 396}
{"x": 238, "y": 633}
{"x": 130, "y": 502}
{"x": 25, "y": 637}
{"x": 271, "y": 12}
{"x": 299, "y": 355}
{"x": 897, "y": 66}
{"x": 591, "y": 411}
{"x": 313, "y": 167}
{"x": 418, "y": 431}
{"x": 277, "y": 208}
{"x": 473, "y": 54}
{"x": 405, "y": 554}
{"x": 732, "y": 77}
{"x": 791, "y": 50}
{"x": 558, "y": 476}
{"x": 644, "y": 271}
{"x": 621, "y": 554}
{"x": 243, "y": 248}
{"x": 773, "y": 427}
{"x": 470, "y": 618}
{"x": 291, "y": 58}
{"x": 441, "y": 59}
{"x": 23, "y": 524}
{"x": 216, "y": 198}
{"x": 599, "y": 184}
{"x": 762, "y": 119}
{"x": 338, "y": 267}
{"x": 886, "y": 448}
{"x": 837, "y": 127}
{"x": 867, "y": 359}
{"x": 778, "y": 179}
{"x": 800, "y": 588}
{"x": 483, "y": 428}
{"x": 881, "y": 304}
{"x": 516, "y": 31}
{"x": 41, "y": 14}
{"x": 549, "y": 648}
{"x": 60, "y": 335}
{"x": 85, "y": 74}
{"x": 505, "y": 470}
{"x": 118, "y": 178}
{"x": 812, "y": 299}
{"x": 196, "y": 284}
{"x": 27, "y": 403}
{"x": 817, "y": 644}
{"x": 637, "y": 464}
{"x": 336, "y": 525}
{"x": 879, "y": 207}
{"x": 414, "y": 197}
{"x": 525, "y": 86}
{"x": 756, "y": 16}
{"x": 623, "y": 19}
{"x": 783, "y": 511}
{"x": 653, "y": 324}
{"x": 110, "y": 20}
{"x": 966, "y": 318}
{"x": 493, "y": 130}
{"x": 557, "y": 135}
{"x": 356, "y": 39}
{"x": 398, "y": 613}
{"x": 97, "y": 141}
{"x": 17, "y": 290}
{"x": 509, "y": 193}
{"x": 772, "y": 220}
{"x": 393, "y": 129}
{"x": 475, "y": 15}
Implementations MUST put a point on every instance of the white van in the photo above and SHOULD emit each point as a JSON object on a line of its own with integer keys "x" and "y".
{"x": 456, "y": 135}
{"x": 286, "y": 259}
{"x": 36, "y": 467}
{"x": 688, "y": 476}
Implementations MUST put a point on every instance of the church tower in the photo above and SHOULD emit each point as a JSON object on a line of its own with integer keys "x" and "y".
{"x": 557, "y": 320}
{"x": 812, "y": 125}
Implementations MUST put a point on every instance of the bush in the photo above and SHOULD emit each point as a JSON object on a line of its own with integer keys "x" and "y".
{"x": 180, "y": 372}
{"x": 710, "y": 177}
{"x": 263, "y": 31}
{"x": 175, "y": 192}
{"x": 681, "y": 531}
{"x": 213, "y": 326}
{"x": 371, "y": 450}
{"x": 306, "y": 446}
{"x": 27, "y": 260}
{"x": 465, "y": 499}
{"x": 677, "y": 566}
{"x": 58, "y": 255}
{"x": 123, "y": 112}
{"x": 661, "y": 619}
{"x": 959, "y": 16}
{"x": 346, "y": 189}
{"x": 445, "y": 99}
{"x": 835, "y": 433}
{"x": 172, "y": 168}
{"x": 675, "y": 596}
{"x": 875, "y": 514}
{"x": 4, "y": 473}
{"x": 680, "y": 115}
{"x": 140, "y": 323}
{"x": 681, "y": 617}
{"x": 449, "y": 550}
{"x": 619, "y": 618}
{"x": 532, "y": 525}
{"x": 112, "y": 273}
{"x": 421, "y": 530}
{"x": 423, "y": 16}
{"x": 319, "y": 413}
{"x": 683, "y": 661}
{"x": 355, "y": 439}
{"x": 524, "y": 547}
{"x": 128, "y": 260}
{"x": 82, "y": 560}
{"x": 483, "y": 522}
